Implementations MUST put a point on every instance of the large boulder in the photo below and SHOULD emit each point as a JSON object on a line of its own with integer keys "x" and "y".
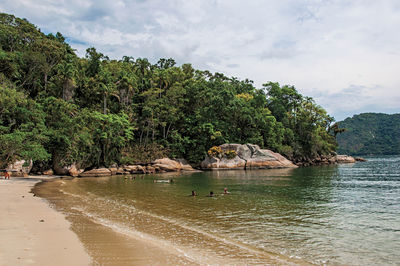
{"x": 344, "y": 159}
{"x": 185, "y": 166}
{"x": 20, "y": 168}
{"x": 223, "y": 163}
{"x": 168, "y": 165}
{"x": 74, "y": 171}
{"x": 113, "y": 170}
{"x": 134, "y": 169}
{"x": 96, "y": 172}
{"x": 48, "y": 172}
{"x": 243, "y": 151}
{"x": 248, "y": 156}
{"x": 210, "y": 162}
{"x": 150, "y": 169}
{"x": 263, "y": 158}
{"x": 60, "y": 170}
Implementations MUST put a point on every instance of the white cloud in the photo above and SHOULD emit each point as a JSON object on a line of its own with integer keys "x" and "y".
{"x": 342, "y": 53}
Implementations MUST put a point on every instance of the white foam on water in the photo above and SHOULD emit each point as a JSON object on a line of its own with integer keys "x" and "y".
{"x": 163, "y": 244}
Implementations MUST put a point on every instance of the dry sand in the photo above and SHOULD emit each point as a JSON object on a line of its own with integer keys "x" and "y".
{"x": 31, "y": 232}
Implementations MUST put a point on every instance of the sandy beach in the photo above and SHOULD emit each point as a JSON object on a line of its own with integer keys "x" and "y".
{"x": 62, "y": 230}
{"x": 34, "y": 233}
{"x": 31, "y": 232}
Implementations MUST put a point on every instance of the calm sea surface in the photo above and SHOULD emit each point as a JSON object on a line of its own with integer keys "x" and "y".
{"x": 336, "y": 215}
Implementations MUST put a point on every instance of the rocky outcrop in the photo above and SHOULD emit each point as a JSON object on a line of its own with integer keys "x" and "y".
{"x": 20, "y": 168}
{"x": 185, "y": 166}
{"x": 60, "y": 170}
{"x": 247, "y": 156}
{"x": 134, "y": 169}
{"x": 57, "y": 167}
{"x": 168, "y": 165}
{"x": 344, "y": 159}
{"x": 158, "y": 166}
{"x": 96, "y": 172}
{"x": 327, "y": 160}
{"x": 48, "y": 172}
{"x": 74, "y": 171}
{"x": 223, "y": 163}
{"x": 360, "y": 159}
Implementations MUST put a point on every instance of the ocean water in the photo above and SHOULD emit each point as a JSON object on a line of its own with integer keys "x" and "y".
{"x": 335, "y": 215}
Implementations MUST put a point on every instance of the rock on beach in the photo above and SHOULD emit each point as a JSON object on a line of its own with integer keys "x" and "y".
{"x": 248, "y": 156}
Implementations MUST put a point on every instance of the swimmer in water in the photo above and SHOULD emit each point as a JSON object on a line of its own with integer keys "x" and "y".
{"x": 163, "y": 181}
{"x": 226, "y": 191}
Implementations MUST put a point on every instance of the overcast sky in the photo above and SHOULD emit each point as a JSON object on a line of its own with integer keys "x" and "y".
{"x": 345, "y": 53}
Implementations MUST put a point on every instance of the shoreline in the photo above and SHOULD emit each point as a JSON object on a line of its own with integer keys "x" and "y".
{"x": 109, "y": 240}
{"x": 32, "y": 232}
{"x": 37, "y": 232}
{"x": 105, "y": 243}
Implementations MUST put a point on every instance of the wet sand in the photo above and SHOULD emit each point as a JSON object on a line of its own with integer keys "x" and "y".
{"x": 31, "y": 232}
{"x": 105, "y": 243}
{"x": 115, "y": 232}
{"x": 34, "y": 231}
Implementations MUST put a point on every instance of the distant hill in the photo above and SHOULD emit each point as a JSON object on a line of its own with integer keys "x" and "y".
{"x": 370, "y": 134}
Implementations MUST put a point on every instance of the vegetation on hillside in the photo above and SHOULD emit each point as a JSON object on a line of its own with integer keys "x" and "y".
{"x": 57, "y": 108}
{"x": 370, "y": 134}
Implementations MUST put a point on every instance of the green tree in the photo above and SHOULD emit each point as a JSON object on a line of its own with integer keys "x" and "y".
{"x": 22, "y": 128}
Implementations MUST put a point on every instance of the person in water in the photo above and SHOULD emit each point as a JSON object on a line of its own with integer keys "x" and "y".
{"x": 211, "y": 194}
{"x": 194, "y": 193}
{"x": 163, "y": 181}
{"x": 226, "y": 191}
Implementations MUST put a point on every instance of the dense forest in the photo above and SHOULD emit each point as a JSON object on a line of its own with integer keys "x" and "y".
{"x": 370, "y": 134}
{"x": 57, "y": 108}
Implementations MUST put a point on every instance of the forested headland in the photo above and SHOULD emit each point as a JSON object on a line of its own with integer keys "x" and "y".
{"x": 370, "y": 134}
{"x": 58, "y": 108}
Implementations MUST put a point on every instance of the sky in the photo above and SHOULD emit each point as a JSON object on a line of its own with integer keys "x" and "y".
{"x": 343, "y": 53}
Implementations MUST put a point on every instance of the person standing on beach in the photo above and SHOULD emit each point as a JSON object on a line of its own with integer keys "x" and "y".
{"x": 6, "y": 175}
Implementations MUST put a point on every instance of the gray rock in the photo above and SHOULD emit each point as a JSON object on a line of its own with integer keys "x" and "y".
{"x": 249, "y": 156}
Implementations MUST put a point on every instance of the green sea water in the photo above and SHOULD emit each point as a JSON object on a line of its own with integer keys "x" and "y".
{"x": 337, "y": 215}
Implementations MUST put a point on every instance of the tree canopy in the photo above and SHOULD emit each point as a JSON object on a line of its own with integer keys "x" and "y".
{"x": 62, "y": 109}
{"x": 370, "y": 134}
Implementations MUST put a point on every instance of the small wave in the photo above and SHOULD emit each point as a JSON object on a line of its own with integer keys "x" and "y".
{"x": 175, "y": 223}
{"x": 163, "y": 244}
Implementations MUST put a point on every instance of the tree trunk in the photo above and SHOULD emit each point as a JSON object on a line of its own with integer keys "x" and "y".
{"x": 141, "y": 137}
{"x": 105, "y": 104}
{"x": 45, "y": 81}
{"x": 169, "y": 126}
